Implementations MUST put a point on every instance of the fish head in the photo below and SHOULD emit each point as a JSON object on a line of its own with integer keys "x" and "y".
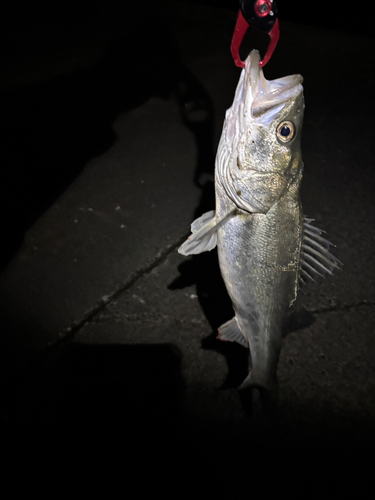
{"x": 259, "y": 153}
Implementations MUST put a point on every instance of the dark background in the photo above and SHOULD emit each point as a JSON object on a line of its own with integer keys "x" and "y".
{"x": 340, "y": 16}
{"x": 49, "y": 128}
{"x": 57, "y": 113}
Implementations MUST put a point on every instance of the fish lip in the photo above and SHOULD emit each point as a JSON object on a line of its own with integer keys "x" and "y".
{"x": 267, "y": 94}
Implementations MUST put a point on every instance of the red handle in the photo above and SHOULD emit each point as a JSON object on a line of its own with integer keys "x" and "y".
{"x": 239, "y": 33}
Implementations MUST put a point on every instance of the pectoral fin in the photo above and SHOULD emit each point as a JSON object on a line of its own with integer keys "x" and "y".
{"x": 203, "y": 237}
{"x": 204, "y": 234}
{"x": 202, "y": 221}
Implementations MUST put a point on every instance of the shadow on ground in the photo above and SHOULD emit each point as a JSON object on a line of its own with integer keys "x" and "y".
{"x": 130, "y": 400}
{"x": 50, "y": 129}
{"x": 95, "y": 386}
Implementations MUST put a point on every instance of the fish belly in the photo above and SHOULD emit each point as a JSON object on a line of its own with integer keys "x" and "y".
{"x": 259, "y": 256}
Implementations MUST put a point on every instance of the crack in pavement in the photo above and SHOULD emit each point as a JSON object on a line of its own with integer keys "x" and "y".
{"x": 155, "y": 316}
{"x": 91, "y": 315}
{"x": 69, "y": 332}
{"x": 342, "y": 307}
{"x": 146, "y": 317}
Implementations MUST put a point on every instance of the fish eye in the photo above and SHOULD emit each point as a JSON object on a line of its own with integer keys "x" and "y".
{"x": 285, "y": 131}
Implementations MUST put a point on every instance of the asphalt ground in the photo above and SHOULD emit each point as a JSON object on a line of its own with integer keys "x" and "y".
{"x": 108, "y": 157}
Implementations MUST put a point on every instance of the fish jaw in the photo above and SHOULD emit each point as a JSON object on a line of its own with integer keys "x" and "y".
{"x": 256, "y": 97}
{"x": 254, "y": 164}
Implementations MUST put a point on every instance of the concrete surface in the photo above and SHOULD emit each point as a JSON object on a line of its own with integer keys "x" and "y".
{"x": 105, "y": 328}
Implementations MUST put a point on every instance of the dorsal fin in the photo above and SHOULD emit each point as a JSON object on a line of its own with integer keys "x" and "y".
{"x": 317, "y": 259}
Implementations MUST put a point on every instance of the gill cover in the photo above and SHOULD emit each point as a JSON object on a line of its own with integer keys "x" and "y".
{"x": 259, "y": 151}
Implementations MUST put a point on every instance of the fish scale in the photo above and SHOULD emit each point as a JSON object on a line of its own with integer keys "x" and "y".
{"x": 266, "y": 247}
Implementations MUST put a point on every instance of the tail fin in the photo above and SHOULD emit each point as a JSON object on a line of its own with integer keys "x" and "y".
{"x": 253, "y": 382}
{"x": 268, "y": 393}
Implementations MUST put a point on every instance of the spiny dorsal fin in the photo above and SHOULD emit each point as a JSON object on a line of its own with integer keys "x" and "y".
{"x": 317, "y": 259}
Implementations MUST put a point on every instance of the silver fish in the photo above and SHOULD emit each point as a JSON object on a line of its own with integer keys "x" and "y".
{"x": 266, "y": 247}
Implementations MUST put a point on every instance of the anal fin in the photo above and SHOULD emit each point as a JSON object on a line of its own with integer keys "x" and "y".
{"x": 230, "y": 332}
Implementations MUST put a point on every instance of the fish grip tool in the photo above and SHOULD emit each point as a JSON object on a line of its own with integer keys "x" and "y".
{"x": 261, "y": 14}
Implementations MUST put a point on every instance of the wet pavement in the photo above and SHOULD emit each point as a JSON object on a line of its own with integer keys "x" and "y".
{"x": 105, "y": 327}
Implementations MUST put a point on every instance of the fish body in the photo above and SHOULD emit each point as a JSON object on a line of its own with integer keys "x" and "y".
{"x": 266, "y": 247}
{"x": 259, "y": 256}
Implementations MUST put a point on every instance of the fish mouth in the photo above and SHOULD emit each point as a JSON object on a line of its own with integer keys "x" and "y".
{"x": 258, "y": 95}
{"x": 268, "y": 94}
{"x": 258, "y": 105}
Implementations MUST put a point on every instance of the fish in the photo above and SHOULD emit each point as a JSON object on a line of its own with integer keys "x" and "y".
{"x": 267, "y": 248}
